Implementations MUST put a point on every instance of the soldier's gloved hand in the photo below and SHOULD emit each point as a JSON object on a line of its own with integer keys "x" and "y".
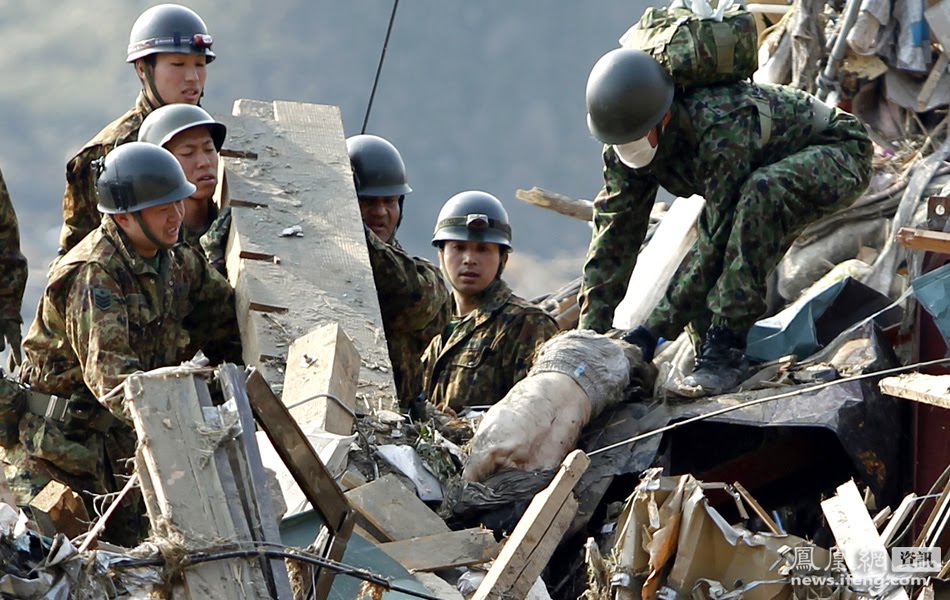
{"x": 642, "y": 338}
{"x": 10, "y": 332}
{"x": 214, "y": 242}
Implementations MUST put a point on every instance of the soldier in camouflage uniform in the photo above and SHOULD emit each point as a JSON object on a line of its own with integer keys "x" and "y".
{"x": 170, "y": 48}
{"x": 491, "y": 343}
{"x": 769, "y": 160}
{"x": 128, "y": 298}
{"x": 413, "y": 299}
{"x": 195, "y": 139}
{"x": 13, "y": 274}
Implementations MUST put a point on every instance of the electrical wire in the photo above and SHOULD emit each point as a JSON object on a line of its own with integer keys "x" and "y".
{"x": 379, "y": 68}
{"x": 742, "y": 405}
{"x": 267, "y": 550}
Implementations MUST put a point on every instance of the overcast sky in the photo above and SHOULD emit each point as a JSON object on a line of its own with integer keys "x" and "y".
{"x": 482, "y": 94}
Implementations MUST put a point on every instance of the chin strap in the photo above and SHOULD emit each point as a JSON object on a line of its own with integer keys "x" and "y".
{"x": 137, "y": 215}
{"x": 151, "y": 91}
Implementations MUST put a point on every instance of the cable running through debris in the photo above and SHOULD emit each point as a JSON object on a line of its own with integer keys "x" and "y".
{"x": 799, "y": 392}
{"x": 379, "y": 68}
{"x": 283, "y": 552}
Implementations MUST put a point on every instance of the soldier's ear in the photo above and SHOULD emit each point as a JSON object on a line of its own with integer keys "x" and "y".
{"x": 140, "y": 69}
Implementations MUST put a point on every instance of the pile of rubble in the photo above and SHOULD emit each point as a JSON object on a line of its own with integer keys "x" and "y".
{"x": 382, "y": 504}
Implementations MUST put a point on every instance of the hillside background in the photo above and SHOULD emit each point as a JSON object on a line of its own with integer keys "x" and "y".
{"x": 486, "y": 95}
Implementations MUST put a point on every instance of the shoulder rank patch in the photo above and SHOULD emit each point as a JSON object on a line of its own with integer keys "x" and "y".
{"x": 102, "y": 297}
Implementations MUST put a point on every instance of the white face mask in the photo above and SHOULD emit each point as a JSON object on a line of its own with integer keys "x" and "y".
{"x": 636, "y": 154}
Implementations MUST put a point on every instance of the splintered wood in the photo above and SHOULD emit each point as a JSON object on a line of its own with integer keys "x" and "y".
{"x": 297, "y": 254}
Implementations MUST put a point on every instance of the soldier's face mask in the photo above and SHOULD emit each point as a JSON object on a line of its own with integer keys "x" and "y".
{"x": 638, "y": 153}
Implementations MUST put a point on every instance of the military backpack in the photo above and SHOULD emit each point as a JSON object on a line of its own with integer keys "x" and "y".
{"x": 698, "y": 51}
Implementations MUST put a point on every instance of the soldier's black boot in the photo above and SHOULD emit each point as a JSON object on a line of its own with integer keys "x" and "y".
{"x": 642, "y": 338}
{"x": 722, "y": 364}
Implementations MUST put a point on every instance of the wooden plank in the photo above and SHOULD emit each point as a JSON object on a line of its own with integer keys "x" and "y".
{"x": 298, "y": 455}
{"x": 857, "y": 537}
{"x": 303, "y": 179}
{"x": 579, "y": 209}
{"x": 659, "y": 261}
{"x": 900, "y": 515}
{"x": 444, "y": 550}
{"x": 922, "y": 239}
{"x": 757, "y": 509}
{"x": 394, "y": 511}
{"x": 308, "y": 471}
{"x": 926, "y": 389}
{"x": 536, "y": 536}
{"x": 58, "y": 509}
{"x": 323, "y": 362}
{"x": 175, "y": 441}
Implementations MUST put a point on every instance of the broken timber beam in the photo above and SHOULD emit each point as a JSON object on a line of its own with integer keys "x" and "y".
{"x": 923, "y": 239}
{"x": 184, "y": 486}
{"x": 926, "y": 389}
{"x": 536, "y": 536}
{"x": 579, "y": 209}
{"x": 323, "y": 370}
{"x": 58, "y": 509}
{"x": 288, "y": 285}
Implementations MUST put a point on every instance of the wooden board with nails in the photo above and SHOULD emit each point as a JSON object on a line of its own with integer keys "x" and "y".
{"x": 287, "y": 168}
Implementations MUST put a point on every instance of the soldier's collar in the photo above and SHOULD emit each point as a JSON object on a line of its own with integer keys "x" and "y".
{"x": 124, "y": 247}
{"x": 492, "y": 298}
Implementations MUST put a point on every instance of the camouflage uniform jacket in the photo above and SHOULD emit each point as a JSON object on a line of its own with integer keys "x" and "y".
{"x": 710, "y": 147}
{"x": 80, "y": 215}
{"x": 13, "y": 270}
{"x": 415, "y": 305}
{"x": 107, "y": 312}
{"x": 479, "y": 357}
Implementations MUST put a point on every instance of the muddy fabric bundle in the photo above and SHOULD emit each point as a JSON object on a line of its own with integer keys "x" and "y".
{"x": 575, "y": 376}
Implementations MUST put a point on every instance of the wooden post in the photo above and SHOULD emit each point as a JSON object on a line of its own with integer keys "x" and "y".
{"x": 659, "y": 261}
{"x": 288, "y": 285}
{"x": 321, "y": 364}
{"x": 536, "y": 536}
{"x": 58, "y": 509}
{"x": 176, "y": 458}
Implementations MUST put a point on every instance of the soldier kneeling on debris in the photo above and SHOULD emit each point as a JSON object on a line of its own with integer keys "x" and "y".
{"x": 195, "y": 139}
{"x": 128, "y": 298}
{"x": 768, "y": 160}
{"x": 491, "y": 342}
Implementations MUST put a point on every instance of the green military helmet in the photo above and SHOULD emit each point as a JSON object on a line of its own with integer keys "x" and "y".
{"x": 165, "y": 122}
{"x": 475, "y": 217}
{"x": 169, "y": 28}
{"x": 377, "y": 166}
{"x": 136, "y": 176}
{"x": 628, "y": 92}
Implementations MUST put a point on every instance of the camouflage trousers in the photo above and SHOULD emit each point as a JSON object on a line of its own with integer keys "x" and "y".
{"x": 724, "y": 281}
{"x": 91, "y": 464}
